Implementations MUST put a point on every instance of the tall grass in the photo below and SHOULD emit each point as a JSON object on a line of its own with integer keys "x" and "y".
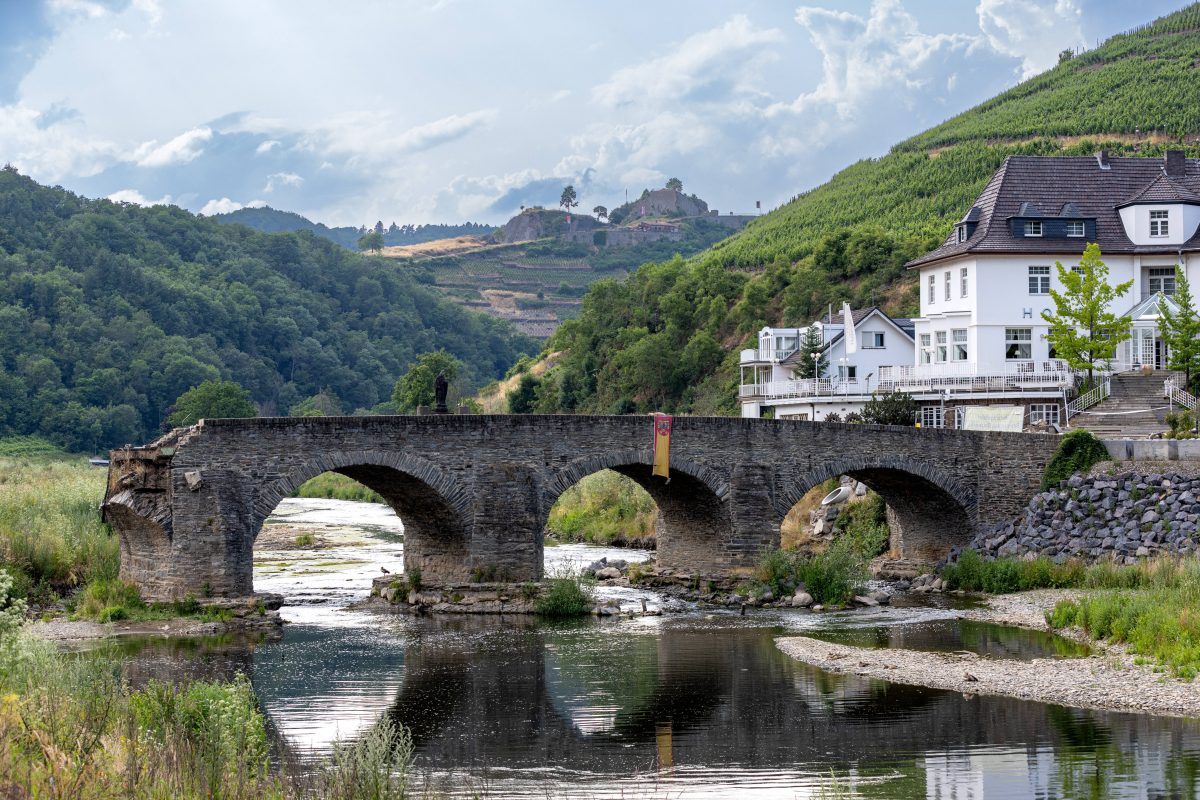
{"x": 1156, "y": 612}
{"x": 603, "y": 508}
{"x": 1002, "y": 575}
{"x": 51, "y": 536}
{"x": 834, "y": 576}
{"x": 334, "y": 486}
{"x": 567, "y": 594}
{"x": 71, "y": 729}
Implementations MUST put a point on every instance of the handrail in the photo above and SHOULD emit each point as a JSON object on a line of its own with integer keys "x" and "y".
{"x": 1089, "y": 398}
{"x": 1172, "y": 392}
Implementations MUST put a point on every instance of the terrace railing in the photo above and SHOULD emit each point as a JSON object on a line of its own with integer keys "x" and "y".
{"x": 1090, "y": 398}
{"x": 1177, "y": 395}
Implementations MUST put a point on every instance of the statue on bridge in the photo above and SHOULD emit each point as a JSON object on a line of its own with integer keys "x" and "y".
{"x": 440, "y": 387}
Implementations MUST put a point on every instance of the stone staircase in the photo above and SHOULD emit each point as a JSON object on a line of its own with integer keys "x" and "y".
{"x": 1135, "y": 408}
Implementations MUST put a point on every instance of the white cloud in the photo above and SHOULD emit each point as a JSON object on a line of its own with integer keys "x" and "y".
{"x": 560, "y": 95}
{"x": 875, "y": 70}
{"x": 225, "y": 206}
{"x": 266, "y": 147}
{"x": 441, "y": 131}
{"x": 706, "y": 62}
{"x": 136, "y": 197}
{"x": 151, "y": 9}
{"x": 180, "y": 150}
{"x": 1033, "y": 30}
{"x": 282, "y": 179}
{"x": 83, "y": 8}
{"x": 51, "y": 152}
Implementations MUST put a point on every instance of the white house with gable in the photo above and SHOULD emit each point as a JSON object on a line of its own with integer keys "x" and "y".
{"x": 980, "y": 338}
{"x": 769, "y": 382}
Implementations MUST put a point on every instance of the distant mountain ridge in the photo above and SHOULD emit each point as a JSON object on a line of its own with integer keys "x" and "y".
{"x": 273, "y": 220}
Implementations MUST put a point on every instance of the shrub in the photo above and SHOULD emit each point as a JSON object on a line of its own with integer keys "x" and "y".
{"x": 108, "y": 600}
{"x": 1003, "y": 575}
{"x": 895, "y": 408}
{"x": 566, "y": 595}
{"x": 1078, "y": 451}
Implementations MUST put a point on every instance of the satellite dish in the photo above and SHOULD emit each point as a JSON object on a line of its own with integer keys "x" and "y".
{"x": 838, "y": 495}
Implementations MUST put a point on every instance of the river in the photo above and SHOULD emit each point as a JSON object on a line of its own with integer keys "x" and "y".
{"x": 692, "y": 704}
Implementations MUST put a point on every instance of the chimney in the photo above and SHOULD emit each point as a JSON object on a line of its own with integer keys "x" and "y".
{"x": 1102, "y": 159}
{"x": 1176, "y": 164}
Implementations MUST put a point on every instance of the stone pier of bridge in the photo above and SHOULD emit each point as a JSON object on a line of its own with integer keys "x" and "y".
{"x": 474, "y": 491}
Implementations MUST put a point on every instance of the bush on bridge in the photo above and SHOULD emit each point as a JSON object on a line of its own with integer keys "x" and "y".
{"x": 1078, "y": 451}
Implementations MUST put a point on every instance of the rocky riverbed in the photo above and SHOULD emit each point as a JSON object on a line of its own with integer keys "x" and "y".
{"x": 1107, "y": 680}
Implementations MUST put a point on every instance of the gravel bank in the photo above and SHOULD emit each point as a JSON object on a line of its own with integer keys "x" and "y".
{"x": 1108, "y": 680}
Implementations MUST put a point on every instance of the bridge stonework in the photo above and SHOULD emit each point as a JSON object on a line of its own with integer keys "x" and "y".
{"x": 474, "y": 492}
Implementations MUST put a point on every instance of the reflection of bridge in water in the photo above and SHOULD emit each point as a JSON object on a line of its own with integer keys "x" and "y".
{"x": 612, "y": 701}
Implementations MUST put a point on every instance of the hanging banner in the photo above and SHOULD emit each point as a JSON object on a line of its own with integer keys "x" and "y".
{"x": 848, "y": 327}
{"x": 662, "y": 446}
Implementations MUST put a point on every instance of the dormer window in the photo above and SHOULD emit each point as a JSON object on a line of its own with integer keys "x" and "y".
{"x": 1158, "y": 223}
{"x": 962, "y": 232}
{"x": 1075, "y": 229}
{"x": 1033, "y": 228}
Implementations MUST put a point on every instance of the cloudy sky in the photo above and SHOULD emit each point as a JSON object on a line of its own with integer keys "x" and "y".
{"x": 453, "y": 110}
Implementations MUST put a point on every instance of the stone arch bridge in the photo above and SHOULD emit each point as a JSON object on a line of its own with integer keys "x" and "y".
{"x": 474, "y": 492}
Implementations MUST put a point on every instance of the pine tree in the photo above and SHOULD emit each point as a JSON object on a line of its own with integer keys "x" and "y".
{"x": 1083, "y": 331}
{"x": 812, "y": 344}
{"x": 1181, "y": 330}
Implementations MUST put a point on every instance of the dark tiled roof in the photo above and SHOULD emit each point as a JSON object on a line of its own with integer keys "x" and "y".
{"x": 1164, "y": 189}
{"x": 857, "y": 315}
{"x": 1049, "y": 183}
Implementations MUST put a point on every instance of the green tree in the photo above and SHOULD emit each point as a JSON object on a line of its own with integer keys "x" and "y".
{"x": 896, "y": 408}
{"x": 211, "y": 400}
{"x": 322, "y": 404}
{"x": 811, "y": 344}
{"x": 416, "y": 387}
{"x": 601, "y": 212}
{"x": 1181, "y": 330}
{"x": 568, "y": 199}
{"x": 372, "y": 241}
{"x": 523, "y": 398}
{"x": 1082, "y": 329}
{"x": 675, "y": 184}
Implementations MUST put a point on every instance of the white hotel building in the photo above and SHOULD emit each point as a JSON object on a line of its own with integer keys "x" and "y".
{"x": 980, "y": 337}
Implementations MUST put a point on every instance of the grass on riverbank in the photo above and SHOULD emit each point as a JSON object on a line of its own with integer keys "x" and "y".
{"x": 834, "y": 576}
{"x": 602, "y": 509}
{"x": 334, "y": 486}
{"x": 567, "y": 594}
{"x": 1159, "y": 620}
{"x": 51, "y": 536}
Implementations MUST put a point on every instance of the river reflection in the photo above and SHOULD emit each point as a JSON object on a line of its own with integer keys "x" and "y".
{"x": 681, "y": 706}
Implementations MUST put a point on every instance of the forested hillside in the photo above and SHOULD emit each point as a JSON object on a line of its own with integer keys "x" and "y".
{"x": 666, "y": 338}
{"x": 108, "y": 312}
{"x": 272, "y": 220}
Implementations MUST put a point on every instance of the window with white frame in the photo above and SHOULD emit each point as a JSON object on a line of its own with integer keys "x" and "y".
{"x": 1043, "y": 413}
{"x": 932, "y": 417}
{"x": 1075, "y": 230}
{"x": 846, "y": 373}
{"x": 1018, "y": 344}
{"x": 940, "y": 336}
{"x": 958, "y": 337}
{"x": 947, "y": 284}
{"x": 962, "y": 281}
{"x": 1039, "y": 280}
{"x": 962, "y": 232}
{"x": 873, "y": 340}
{"x": 1158, "y": 223}
{"x": 1162, "y": 279}
{"x": 960, "y": 416}
{"x": 932, "y": 289}
{"x": 1033, "y": 228}
{"x": 926, "y": 348}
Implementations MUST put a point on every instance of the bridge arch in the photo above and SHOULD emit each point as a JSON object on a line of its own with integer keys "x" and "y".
{"x": 433, "y": 505}
{"x": 929, "y": 510}
{"x": 693, "y": 524}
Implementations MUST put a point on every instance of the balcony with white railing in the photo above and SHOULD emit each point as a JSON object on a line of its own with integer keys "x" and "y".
{"x": 803, "y": 388}
{"x": 1053, "y": 375}
{"x": 765, "y": 355}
